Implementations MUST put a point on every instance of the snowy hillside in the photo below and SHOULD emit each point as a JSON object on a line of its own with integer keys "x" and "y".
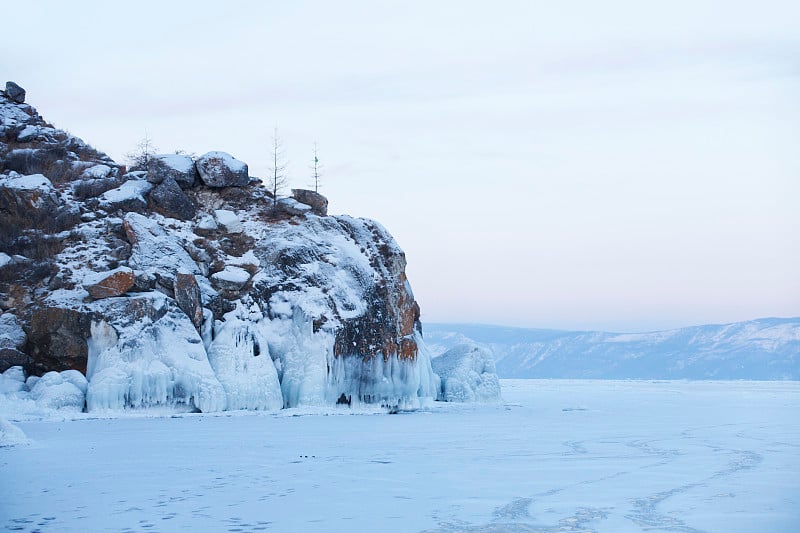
{"x": 182, "y": 283}
{"x": 764, "y": 349}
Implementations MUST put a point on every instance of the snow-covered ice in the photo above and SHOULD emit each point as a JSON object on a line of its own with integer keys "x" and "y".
{"x": 558, "y": 455}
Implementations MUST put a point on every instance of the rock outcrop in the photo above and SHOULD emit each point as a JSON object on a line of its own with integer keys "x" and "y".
{"x": 318, "y": 203}
{"x": 219, "y": 169}
{"x": 168, "y": 199}
{"x": 108, "y": 284}
{"x": 179, "y": 167}
{"x": 165, "y": 289}
{"x": 187, "y": 295}
{"x": 15, "y": 92}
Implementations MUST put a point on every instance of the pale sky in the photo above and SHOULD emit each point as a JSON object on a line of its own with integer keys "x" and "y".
{"x": 581, "y": 165}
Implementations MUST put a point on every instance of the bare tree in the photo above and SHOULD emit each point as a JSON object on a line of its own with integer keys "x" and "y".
{"x": 141, "y": 157}
{"x": 278, "y": 168}
{"x": 316, "y": 169}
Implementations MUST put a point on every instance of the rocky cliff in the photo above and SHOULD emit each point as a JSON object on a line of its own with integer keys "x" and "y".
{"x": 181, "y": 283}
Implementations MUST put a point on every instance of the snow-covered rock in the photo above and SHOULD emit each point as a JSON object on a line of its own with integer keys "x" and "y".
{"x": 27, "y": 199}
{"x": 232, "y": 278}
{"x": 28, "y": 134}
{"x": 12, "y": 341}
{"x": 97, "y": 172}
{"x": 318, "y": 203}
{"x": 291, "y": 206}
{"x": 128, "y": 196}
{"x": 206, "y": 224}
{"x": 11, "y": 333}
{"x": 34, "y": 182}
{"x": 179, "y": 167}
{"x": 220, "y": 169}
{"x": 111, "y": 283}
{"x": 467, "y": 374}
{"x": 154, "y": 250}
{"x": 228, "y": 220}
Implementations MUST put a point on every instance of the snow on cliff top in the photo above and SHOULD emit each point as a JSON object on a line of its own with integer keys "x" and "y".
{"x": 228, "y": 160}
{"x": 179, "y": 162}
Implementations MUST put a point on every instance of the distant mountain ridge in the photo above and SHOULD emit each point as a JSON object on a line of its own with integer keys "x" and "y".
{"x": 762, "y": 349}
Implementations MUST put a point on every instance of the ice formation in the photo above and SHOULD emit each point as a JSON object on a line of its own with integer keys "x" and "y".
{"x": 158, "y": 359}
{"x": 467, "y": 374}
{"x": 240, "y": 357}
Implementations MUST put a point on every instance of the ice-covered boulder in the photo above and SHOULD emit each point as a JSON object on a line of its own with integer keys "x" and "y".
{"x": 111, "y": 283}
{"x": 179, "y": 167}
{"x": 12, "y": 380}
{"x": 54, "y": 392}
{"x": 220, "y": 169}
{"x": 467, "y": 374}
{"x": 11, "y": 333}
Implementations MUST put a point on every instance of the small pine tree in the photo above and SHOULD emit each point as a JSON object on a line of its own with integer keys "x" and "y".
{"x": 277, "y": 176}
{"x": 316, "y": 170}
{"x": 141, "y": 157}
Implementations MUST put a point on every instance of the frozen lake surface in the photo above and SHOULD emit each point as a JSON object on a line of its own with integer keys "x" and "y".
{"x": 557, "y": 455}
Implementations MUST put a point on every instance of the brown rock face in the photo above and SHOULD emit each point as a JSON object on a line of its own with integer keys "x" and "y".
{"x": 318, "y": 203}
{"x": 27, "y": 207}
{"x": 392, "y": 315}
{"x": 12, "y": 357}
{"x": 187, "y": 294}
{"x": 109, "y": 284}
{"x": 57, "y": 339}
